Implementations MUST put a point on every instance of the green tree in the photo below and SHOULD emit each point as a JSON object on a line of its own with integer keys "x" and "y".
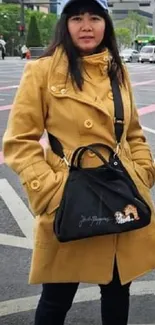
{"x": 123, "y": 36}
{"x": 47, "y": 23}
{"x": 10, "y": 22}
{"x": 33, "y": 35}
{"x": 9, "y": 26}
{"x": 135, "y": 23}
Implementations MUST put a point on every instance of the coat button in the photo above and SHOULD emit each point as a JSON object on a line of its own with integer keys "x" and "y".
{"x": 110, "y": 95}
{"x": 105, "y": 58}
{"x": 53, "y": 88}
{"x": 88, "y": 124}
{"x": 63, "y": 91}
{"x": 91, "y": 154}
{"x": 35, "y": 184}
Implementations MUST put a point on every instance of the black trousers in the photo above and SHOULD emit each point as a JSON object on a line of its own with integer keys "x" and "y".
{"x": 56, "y": 300}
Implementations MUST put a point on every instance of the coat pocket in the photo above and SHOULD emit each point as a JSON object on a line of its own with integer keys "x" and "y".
{"x": 56, "y": 199}
{"x": 142, "y": 174}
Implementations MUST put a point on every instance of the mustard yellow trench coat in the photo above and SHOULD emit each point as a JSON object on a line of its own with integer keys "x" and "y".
{"x": 47, "y": 100}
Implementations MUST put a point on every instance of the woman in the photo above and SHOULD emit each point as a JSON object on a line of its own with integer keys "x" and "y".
{"x": 67, "y": 92}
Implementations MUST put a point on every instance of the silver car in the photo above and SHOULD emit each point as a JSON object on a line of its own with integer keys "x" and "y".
{"x": 129, "y": 55}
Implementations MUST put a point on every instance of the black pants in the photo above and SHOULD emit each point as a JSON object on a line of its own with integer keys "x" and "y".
{"x": 56, "y": 300}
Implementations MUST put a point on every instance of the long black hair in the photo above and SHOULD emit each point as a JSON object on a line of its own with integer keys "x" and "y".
{"x": 63, "y": 38}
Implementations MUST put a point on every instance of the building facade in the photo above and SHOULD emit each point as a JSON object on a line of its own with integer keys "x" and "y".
{"x": 120, "y": 9}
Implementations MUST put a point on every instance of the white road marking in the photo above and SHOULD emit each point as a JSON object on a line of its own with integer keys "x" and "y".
{"x": 84, "y": 294}
{"x": 145, "y": 128}
{"x": 139, "y": 72}
{"x": 17, "y": 208}
{"x": 14, "y": 241}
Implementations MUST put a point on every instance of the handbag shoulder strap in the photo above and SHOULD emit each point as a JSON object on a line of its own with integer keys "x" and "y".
{"x": 118, "y": 121}
{"x": 118, "y": 110}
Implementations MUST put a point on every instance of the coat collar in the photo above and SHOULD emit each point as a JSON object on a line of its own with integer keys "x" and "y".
{"x": 59, "y": 82}
{"x": 60, "y": 61}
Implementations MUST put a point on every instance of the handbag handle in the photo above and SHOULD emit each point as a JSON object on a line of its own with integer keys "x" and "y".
{"x": 78, "y": 153}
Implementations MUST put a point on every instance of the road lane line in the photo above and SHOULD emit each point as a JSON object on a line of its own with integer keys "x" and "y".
{"x": 17, "y": 208}
{"x": 5, "y": 107}
{"x": 140, "y": 72}
{"x": 145, "y": 128}
{"x": 147, "y": 82}
{"x": 9, "y": 87}
{"x": 146, "y": 110}
{"x": 15, "y": 241}
{"x": 1, "y": 158}
{"x": 84, "y": 294}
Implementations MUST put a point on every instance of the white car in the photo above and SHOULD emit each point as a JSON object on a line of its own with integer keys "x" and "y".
{"x": 147, "y": 54}
{"x": 129, "y": 55}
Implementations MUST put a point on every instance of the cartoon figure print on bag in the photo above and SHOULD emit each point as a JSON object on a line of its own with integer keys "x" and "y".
{"x": 130, "y": 214}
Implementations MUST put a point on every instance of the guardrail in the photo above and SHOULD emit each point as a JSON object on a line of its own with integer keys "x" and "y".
{"x": 36, "y": 51}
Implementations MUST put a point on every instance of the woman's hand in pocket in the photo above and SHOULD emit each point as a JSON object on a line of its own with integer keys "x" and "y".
{"x": 56, "y": 199}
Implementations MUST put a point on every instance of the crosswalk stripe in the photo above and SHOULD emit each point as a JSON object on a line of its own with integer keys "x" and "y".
{"x": 148, "y": 129}
{"x": 17, "y": 208}
{"x": 84, "y": 294}
{"x": 15, "y": 241}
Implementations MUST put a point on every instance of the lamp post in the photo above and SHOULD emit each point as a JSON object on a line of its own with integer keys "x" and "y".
{"x": 22, "y": 22}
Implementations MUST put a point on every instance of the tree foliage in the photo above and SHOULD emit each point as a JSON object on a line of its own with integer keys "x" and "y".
{"x": 10, "y": 22}
{"x": 135, "y": 23}
{"x": 127, "y": 29}
{"x": 33, "y": 35}
{"x": 123, "y": 36}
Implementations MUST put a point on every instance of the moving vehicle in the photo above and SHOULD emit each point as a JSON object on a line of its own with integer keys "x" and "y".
{"x": 142, "y": 40}
{"x": 129, "y": 55}
{"x": 147, "y": 54}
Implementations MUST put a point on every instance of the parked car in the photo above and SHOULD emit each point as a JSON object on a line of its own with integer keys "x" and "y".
{"x": 129, "y": 55}
{"x": 147, "y": 54}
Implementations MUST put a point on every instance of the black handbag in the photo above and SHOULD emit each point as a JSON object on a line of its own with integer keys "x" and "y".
{"x": 102, "y": 200}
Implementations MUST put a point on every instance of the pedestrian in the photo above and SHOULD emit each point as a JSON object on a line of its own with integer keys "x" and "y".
{"x": 24, "y": 51}
{"x": 28, "y": 54}
{"x": 3, "y": 52}
{"x": 2, "y": 47}
{"x": 67, "y": 92}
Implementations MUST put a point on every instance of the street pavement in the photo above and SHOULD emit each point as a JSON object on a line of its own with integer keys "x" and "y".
{"x": 18, "y": 299}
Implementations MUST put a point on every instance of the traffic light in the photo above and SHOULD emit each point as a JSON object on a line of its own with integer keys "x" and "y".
{"x": 22, "y": 30}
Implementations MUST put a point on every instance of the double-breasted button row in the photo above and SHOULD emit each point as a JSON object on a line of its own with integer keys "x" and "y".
{"x": 35, "y": 185}
{"x": 62, "y": 91}
{"x": 89, "y": 124}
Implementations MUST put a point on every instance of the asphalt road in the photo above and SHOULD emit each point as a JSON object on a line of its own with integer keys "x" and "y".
{"x": 18, "y": 299}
